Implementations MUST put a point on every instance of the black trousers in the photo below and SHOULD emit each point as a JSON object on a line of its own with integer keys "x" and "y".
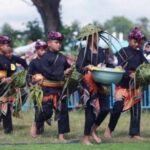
{"x": 135, "y": 115}
{"x": 104, "y": 109}
{"x": 63, "y": 121}
{"x": 90, "y": 117}
{"x": 43, "y": 115}
{"x": 7, "y": 120}
{"x": 115, "y": 114}
{"x": 47, "y": 112}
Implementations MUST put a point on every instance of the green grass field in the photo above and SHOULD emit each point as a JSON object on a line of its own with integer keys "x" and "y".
{"x": 109, "y": 146}
{"x": 21, "y": 139}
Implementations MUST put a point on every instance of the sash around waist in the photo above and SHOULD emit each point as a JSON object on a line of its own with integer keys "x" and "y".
{"x": 50, "y": 83}
{"x": 47, "y": 83}
{"x": 3, "y": 74}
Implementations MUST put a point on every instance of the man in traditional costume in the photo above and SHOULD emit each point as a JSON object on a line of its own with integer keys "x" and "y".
{"x": 34, "y": 72}
{"x": 53, "y": 67}
{"x": 95, "y": 95}
{"x": 5, "y": 107}
{"x": 7, "y": 68}
{"x": 127, "y": 96}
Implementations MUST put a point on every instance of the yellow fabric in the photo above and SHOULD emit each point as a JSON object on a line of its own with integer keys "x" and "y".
{"x": 3, "y": 74}
{"x": 12, "y": 67}
{"x": 47, "y": 83}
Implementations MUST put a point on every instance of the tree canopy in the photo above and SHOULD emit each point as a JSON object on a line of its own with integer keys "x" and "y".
{"x": 119, "y": 24}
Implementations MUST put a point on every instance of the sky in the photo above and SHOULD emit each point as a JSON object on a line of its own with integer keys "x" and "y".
{"x": 17, "y": 12}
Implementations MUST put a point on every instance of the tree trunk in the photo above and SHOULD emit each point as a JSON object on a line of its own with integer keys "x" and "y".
{"x": 49, "y": 11}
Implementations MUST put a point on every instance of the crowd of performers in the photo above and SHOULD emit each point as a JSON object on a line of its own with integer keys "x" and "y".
{"x": 49, "y": 69}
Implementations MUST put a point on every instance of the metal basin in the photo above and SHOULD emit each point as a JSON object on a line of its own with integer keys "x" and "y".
{"x": 107, "y": 75}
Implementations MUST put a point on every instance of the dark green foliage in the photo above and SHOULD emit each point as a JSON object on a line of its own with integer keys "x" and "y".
{"x": 36, "y": 95}
{"x": 142, "y": 75}
{"x": 34, "y": 31}
{"x": 119, "y": 24}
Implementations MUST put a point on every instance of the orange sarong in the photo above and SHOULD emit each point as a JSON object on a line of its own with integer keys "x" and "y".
{"x": 92, "y": 87}
{"x": 131, "y": 96}
{"x": 53, "y": 98}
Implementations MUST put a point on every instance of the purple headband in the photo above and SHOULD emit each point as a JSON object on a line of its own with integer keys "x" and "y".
{"x": 40, "y": 44}
{"x": 52, "y": 35}
{"x": 135, "y": 34}
{"x": 5, "y": 39}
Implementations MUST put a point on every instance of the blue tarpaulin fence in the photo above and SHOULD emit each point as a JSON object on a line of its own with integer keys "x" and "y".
{"x": 146, "y": 99}
{"x": 74, "y": 99}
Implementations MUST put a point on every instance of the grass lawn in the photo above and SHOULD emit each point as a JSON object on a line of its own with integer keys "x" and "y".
{"x": 20, "y": 138}
{"x": 108, "y": 146}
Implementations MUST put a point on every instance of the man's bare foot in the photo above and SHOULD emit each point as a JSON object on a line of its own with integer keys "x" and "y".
{"x": 86, "y": 140}
{"x": 107, "y": 133}
{"x": 87, "y": 143}
{"x": 61, "y": 138}
{"x": 33, "y": 130}
{"x": 96, "y": 138}
{"x": 137, "y": 137}
{"x": 94, "y": 135}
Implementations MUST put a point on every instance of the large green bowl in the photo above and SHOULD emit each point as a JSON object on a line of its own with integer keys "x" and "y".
{"x": 107, "y": 75}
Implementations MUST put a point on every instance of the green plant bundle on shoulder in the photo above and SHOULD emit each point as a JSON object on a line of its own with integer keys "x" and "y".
{"x": 142, "y": 75}
{"x": 19, "y": 79}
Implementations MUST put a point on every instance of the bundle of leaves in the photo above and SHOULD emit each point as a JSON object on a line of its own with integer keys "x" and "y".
{"x": 14, "y": 89}
{"x": 17, "y": 104}
{"x": 142, "y": 76}
{"x": 73, "y": 80}
{"x": 36, "y": 96}
{"x": 89, "y": 30}
{"x": 19, "y": 79}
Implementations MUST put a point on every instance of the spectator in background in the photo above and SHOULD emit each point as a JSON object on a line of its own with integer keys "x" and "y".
{"x": 112, "y": 59}
{"x": 146, "y": 51}
{"x": 143, "y": 42}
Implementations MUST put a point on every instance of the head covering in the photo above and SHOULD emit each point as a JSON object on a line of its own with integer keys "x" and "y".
{"x": 40, "y": 44}
{"x": 53, "y": 35}
{"x": 89, "y": 30}
{"x": 4, "y": 39}
{"x": 136, "y": 34}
